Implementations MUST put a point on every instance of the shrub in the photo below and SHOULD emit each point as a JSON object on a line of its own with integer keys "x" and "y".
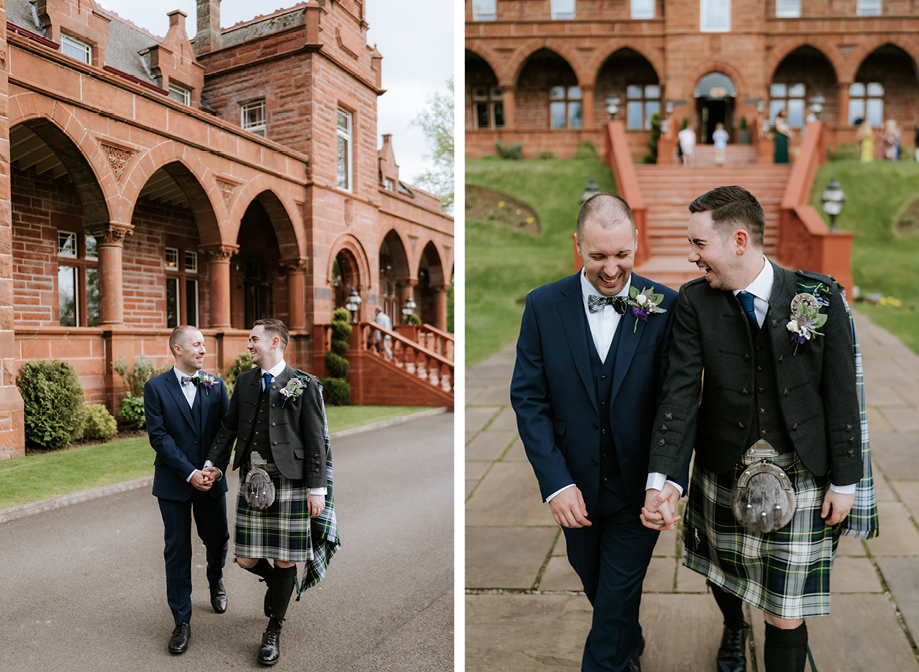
{"x": 336, "y": 364}
{"x": 547, "y": 154}
{"x": 413, "y": 319}
{"x": 907, "y": 153}
{"x": 651, "y": 156}
{"x": 144, "y": 369}
{"x": 52, "y": 403}
{"x": 743, "y": 123}
{"x": 99, "y": 423}
{"x": 586, "y": 150}
{"x": 513, "y": 152}
{"x": 337, "y": 391}
{"x": 132, "y": 412}
{"x": 846, "y": 152}
{"x": 242, "y": 363}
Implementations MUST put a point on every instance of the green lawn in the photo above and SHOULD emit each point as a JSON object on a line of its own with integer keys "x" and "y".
{"x": 36, "y": 477}
{"x": 883, "y": 261}
{"x": 503, "y": 263}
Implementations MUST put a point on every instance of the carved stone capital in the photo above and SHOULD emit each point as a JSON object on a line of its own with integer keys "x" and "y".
{"x": 293, "y": 265}
{"x": 219, "y": 254}
{"x": 110, "y": 235}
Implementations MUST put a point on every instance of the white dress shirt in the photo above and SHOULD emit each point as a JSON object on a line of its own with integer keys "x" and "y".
{"x": 189, "y": 390}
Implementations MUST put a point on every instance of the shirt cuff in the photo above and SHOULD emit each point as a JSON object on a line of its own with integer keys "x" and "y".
{"x": 844, "y": 489}
{"x": 318, "y": 491}
{"x": 656, "y": 481}
{"x": 188, "y": 480}
{"x": 549, "y": 498}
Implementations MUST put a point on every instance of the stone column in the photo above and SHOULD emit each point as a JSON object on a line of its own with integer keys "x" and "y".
{"x": 218, "y": 257}
{"x": 508, "y": 98}
{"x": 440, "y": 306}
{"x": 587, "y": 102}
{"x": 296, "y": 307}
{"x": 110, "y": 246}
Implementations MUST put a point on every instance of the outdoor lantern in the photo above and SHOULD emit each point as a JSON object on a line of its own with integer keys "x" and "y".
{"x": 817, "y": 101}
{"x": 589, "y": 191}
{"x": 353, "y": 304}
{"x": 760, "y": 105}
{"x": 408, "y": 308}
{"x": 832, "y": 199}
{"x": 612, "y": 106}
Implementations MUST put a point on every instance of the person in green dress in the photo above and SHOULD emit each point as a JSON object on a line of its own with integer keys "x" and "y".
{"x": 782, "y": 134}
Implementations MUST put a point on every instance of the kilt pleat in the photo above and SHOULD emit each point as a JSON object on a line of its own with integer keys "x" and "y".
{"x": 785, "y": 573}
{"x": 280, "y": 532}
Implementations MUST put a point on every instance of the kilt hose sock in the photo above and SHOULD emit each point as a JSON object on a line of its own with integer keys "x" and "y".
{"x": 785, "y": 650}
{"x": 282, "y": 586}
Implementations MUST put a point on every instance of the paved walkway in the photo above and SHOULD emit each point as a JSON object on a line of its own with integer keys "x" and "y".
{"x": 524, "y": 608}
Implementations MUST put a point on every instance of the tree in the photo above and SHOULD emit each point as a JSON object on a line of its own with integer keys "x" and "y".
{"x": 437, "y": 124}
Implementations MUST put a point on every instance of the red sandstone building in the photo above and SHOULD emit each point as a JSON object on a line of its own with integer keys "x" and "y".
{"x": 541, "y": 72}
{"x": 149, "y": 182}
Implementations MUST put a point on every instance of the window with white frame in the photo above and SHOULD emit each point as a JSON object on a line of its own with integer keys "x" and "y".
{"x": 642, "y": 102}
{"x": 180, "y": 94}
{"x": 788, "y": 9}
{"x": 565, "y": 107}
{"x": 562, "y": 9}
{"x": 345, "y": 120}
{"x": 484, "y": 10}
{"x": 715, "y": 16}
{"x": 253, "y": 117}
{"x": 788, "y": 97}
{"x": 643, "y": 9}
{"x": 77, "y": 280}
{"x": 868, "y": 8}
{"x": 181, "y": 287}
{"x": 866, "y": 102}
{"x": 488, "y": 107}
{"x": 75, "y": 49}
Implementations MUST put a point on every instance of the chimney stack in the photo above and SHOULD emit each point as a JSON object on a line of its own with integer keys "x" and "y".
{"x": 208, "y": 37}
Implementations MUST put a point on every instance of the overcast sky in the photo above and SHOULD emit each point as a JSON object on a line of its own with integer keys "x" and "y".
{"x": 414, "y": 36}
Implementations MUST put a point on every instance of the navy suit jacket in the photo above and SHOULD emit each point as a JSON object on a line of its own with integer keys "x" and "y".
{"x": 555, "y": 397}
{"x": 180, "y": 444}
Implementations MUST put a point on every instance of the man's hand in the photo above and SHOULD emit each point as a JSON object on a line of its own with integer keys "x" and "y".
{"x": 201, "y": 480}
{"x": 213, "y": 473}
{"x": 836, "y": 507}
{"x": 569, "y": 509}
{"x": 315, "y": 504}
{"x": 659, "y": 510}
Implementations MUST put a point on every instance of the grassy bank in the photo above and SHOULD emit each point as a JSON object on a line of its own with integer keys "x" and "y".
{"x": 36, "y": 477}
{"x": 504, "y": 263}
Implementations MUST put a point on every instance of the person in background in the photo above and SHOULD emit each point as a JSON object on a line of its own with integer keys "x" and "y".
{"x": 782, "y": 134}
{"x": 720, "y": 137}
{"x": 865, "y": 137}
{"x": 383, "y": 342}
{"x": 687, "y": 139}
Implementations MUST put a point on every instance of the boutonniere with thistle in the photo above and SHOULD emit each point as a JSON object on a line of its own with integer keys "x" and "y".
{"x": 207, "y": 381}
{"x": 805, "y": 319}
{"x": 293, "y": 389}
{"x": 644, "y": 303}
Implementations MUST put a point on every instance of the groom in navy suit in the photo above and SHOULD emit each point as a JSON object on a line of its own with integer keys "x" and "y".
{"x": 591, "y": 361}
{"x": 184, "y": 407}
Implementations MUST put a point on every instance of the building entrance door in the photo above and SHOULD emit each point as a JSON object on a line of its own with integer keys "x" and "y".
{"x": 715, "y": 95}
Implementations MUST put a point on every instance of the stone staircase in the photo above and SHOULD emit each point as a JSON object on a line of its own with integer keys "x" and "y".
{"x": 668, "y": 189}
{"x": 736, "y": 155}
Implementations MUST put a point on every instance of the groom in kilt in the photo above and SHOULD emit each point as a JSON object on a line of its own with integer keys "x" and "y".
{"x": 776, "y": 350}
{"x": 277, "y": 419}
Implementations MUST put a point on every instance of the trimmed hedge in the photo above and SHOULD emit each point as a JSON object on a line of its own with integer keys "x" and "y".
{"x": 99, "y": 423}
{"x": 53, "y": 403}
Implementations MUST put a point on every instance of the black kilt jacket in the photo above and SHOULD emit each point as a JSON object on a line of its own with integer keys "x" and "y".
{"x": 296, "y": 429}
{"x": 816, "y": 387}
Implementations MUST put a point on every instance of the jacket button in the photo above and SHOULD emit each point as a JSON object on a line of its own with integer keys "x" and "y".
{"x": 762, "y": 432}
{"x": 851, "y": 439}
{"x": 775, "y": 323}
{"x": 661, "y": 442}
{"x": 762, "y": 411}
{"x": 760, "y": 389}
{"x": 744, "y": 392}
{"x": 794, "y": 427}
{"x": 273, "y": 424}
{"x": 602, "y": 377}
{"x": 740, "y": 425}
{"x": 593, "y": 462}
{"x": 781, "y": 357}
{"x": 746, "y": 356}
{"x": 851, "y": 453}
{"x": 759, "y": 369}
{"x": 275, "y": 443}
{"x": 603, "y": 431}
{"x": 596, "y": 426}
{"x": 668, "y": 416}
{"x": 848, "y": 428}
{"x": 785, "y": 393}
{"x": 663, "y": 428}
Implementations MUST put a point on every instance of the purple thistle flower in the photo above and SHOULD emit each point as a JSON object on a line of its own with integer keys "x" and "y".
{"x": 641, "y": 312}
{"x": 798, "y": 339}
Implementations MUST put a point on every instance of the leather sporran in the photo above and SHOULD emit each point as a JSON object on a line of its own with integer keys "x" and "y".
{"x": 259, "y": 490}
{"x": 764, "y": 498}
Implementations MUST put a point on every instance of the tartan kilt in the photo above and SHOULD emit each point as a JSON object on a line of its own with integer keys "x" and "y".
{"x": 785, "y": 573}
{"x": 280, "y": 532}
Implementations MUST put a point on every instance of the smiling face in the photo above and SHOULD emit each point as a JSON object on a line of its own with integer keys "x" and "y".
{"x": 717, "y": 254}
{"x": 264, "y": 348}
{"x": 608, "y": 254}
{"x": 189, "y": 352}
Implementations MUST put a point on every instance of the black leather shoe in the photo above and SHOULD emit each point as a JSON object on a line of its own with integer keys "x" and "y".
{"x": 732, "y": 656}
{"x": 178, "y": 643}
{"x": 269, "y": 652}
{"x": 635, "y": 662}
{"x": 219, "y": 597}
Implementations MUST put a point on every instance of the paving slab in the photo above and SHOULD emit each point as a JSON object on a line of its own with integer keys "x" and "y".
{"x": 495, "y": 394}
{"x": 561, "y": 546}
{"x": 902, "y": 577}
{"x": 476, "y": 470}
{"x": 909, "y": 394}
{"x": 854, "y": 575}
{"x": 896, "y": 454}
{"x": 690, "y": 581}
{"x": 861, "y": 634}
{"x": 666, "y": 545}
{"x": 471, "y": 394}
{"x": 477, "y": 417}
{"x": 877, "y": 423}
{"x": 882, "y": 394}
{"x": 898, "y": 532}
{"x": 908, "y": 493}
{"x": 850, "y": 546}
{"x": 505, "y": 557}
{"x": 489, "y": 444}
{"x": 559, "y": 575}
{"x": 903, "y": 420}
{"x": 661, "y": 576}
{"x": 508, "y": 496}
{"x": 507, "y": 419}
{"x": 516, "y": 453}
{"x": 882, "y": 490}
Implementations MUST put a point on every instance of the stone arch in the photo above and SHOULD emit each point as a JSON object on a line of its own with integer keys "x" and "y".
{"x": 487, "y": 54}
{"x": 84, "y": 159}
{"x": 782, "y": 49}
{"x": 348, "y": 243}
{"x": 509, "y": 75}
{"x": 869, "y": 45}
{"x": 599, "y": 57}
{"x": 431, "y": 283}
{"x": 703, "y": 68}
{"x": 189, "y": 172}
{"x": 280, "y": 208}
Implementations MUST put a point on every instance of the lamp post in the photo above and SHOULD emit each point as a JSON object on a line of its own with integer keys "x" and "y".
{"x": 353, "y": 305}
{"x": 408, "y": 309}
{"x": 817, "y": 101}
{"x": 612, "y": 106}
{"x": 832, "y": 200}
{"x": 589, "y": 191}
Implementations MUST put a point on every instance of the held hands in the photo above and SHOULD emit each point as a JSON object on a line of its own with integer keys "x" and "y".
{"x": 659, "y": 510}
{"x": 201, "y": 480}
{"x": 315, "y": 504}
{"x": 569, "y": 509}
{"x": 836, "y": 507}
{"x": 213, "y": 473}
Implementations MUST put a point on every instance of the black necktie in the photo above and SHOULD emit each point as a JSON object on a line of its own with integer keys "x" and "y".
{"x": 194, "y": 380}
{"x": 595, "y": 303}
{"x": 746, "y": 301}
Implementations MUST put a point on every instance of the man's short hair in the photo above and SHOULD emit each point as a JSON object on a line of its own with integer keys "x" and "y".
{"x": 275, "y": 328}
{"x": 607, "y": 210}
{"x": 731, "y": 207}
{"x": 178, "y": 335}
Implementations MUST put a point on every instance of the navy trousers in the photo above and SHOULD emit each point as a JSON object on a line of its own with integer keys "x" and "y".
{"x": 611, "y": 558}
{"x": 210, "y": 514}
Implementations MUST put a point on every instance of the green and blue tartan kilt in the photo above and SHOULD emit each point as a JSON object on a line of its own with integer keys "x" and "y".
{"x": 785, "y": 573}
{"x": 280, "y": 532}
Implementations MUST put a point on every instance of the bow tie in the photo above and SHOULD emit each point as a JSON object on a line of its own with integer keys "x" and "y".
{"x": 194, "y": 380}
{"x": 595, "y": 303}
